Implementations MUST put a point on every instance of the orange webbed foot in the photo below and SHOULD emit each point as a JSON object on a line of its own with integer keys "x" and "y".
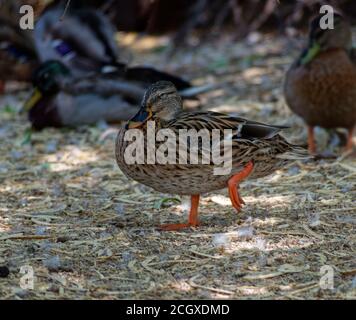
{"x": 235, "y": 198}
{"x": 193, "y": 217}
{"x": 233, "y": 182}
{"x": 176, "y": 226}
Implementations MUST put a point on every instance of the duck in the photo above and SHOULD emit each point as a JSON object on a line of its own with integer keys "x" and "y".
{"x": 59, "y": 99}
{"x": 320, "y": 86}
{"x": 79, "y": 36}
{"x": 83, "y": 39}
{"x": 18, "y": 58}
{"x": 257, "y": 150}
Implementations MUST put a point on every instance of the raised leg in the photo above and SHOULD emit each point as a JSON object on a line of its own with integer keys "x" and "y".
{"x": 349, "y": 139}
{"x": 311, "y": 140}
{"x": 192, "y": 220}
{"x": 233, "y": 183}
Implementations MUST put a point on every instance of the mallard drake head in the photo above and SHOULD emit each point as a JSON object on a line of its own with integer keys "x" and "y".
{"x": 323, "y": 39}
{"x": 161, "y": 101}
{"x": 46, "y": 81}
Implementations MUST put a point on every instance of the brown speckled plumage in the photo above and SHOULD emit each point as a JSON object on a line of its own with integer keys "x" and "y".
{"x": 187, "y": 179}
{"x": 252, "y": 142}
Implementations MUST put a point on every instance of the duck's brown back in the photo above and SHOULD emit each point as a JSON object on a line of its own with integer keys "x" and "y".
{"x": 323, "y": 92}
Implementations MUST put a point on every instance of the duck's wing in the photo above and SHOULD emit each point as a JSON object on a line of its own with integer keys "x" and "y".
{"x": 241, "y": 128}
{"x": 103, "y": 86}
{"x": 148, "y": 76}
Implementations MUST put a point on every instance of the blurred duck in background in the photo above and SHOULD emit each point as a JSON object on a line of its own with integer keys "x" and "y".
{"x": 320, "y": 86}
{"x": 17, "y": 52}
{"x": 80, "y": 79}
{"x": 83, "y": 39}
{"x": 59, "y": 99}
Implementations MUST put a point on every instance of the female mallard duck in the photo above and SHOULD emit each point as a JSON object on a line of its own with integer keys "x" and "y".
{"x": 257, "y": 150}
{"x": 321, "y": 85}
{"x": 17, "y": 53}
{"x": 59, "y": 99}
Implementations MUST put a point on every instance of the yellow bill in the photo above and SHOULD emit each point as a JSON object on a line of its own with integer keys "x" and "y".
{"x": 32, "y": 101}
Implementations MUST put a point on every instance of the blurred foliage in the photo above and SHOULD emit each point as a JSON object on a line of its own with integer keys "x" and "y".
{"x": 186, "y": 16}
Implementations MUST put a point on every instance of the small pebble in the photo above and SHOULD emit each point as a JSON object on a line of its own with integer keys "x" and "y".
{"x": 245, "y": 233}
{"x": 120, "y": 209}
{"x": 126, "y": 256}
{"x": 220, "y": 240}
{"x": 21, "y": 293}
{"x": 41, "y": 230}
{"x": 293, "y": 170}
{"x": 16, "y": 155}
{"x": 353, "y": 283}
{"x": 53, "y": 263}
{"x": 3, "y": 168}
{"x": 51, "y": 146}
{"x": 314, "y": 219}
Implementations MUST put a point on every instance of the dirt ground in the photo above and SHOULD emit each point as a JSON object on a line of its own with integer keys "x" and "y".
{"x": 88, "y": 232}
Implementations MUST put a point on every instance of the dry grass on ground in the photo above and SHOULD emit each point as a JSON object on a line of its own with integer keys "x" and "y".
{"x": 89, "y": 232}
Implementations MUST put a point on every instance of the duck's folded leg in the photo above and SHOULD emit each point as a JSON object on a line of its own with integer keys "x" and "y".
{"x": 192, "y": 220}
{"x": 349, "y": 144}
{"x": 233, "y": 183}
{"x": 311, "y": 140}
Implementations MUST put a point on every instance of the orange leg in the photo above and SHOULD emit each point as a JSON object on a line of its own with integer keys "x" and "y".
{"x": 192, "y": 220}
{"x": 349, "y": 144}
{"x": 2, "y": 87}
{"x": 311, "y": 140}
{"x": 233, "y": 183}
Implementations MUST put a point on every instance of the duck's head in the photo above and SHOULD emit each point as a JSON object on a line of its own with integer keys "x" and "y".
{"x": 323, "y": 38}
{"x": 161, "y": 101}
{"x": 46, "y": 81}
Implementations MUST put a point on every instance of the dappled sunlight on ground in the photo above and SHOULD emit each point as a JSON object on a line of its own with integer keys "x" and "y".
{"x": 90, "y": 232}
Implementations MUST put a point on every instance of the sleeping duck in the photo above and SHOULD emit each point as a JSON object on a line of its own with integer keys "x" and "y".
{"x": 59, "y": 99}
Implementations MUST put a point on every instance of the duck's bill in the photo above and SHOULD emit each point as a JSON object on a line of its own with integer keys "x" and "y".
{"x": 139, "y": 119}
{"x": 32, "y": 101}
{"x": 311, "y": 53}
